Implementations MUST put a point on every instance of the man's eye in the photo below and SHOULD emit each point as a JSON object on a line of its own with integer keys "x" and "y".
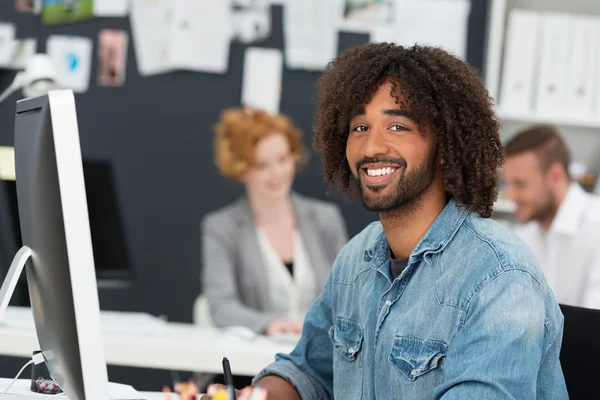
{"x": 360, "y": 128}
{"x": 397, "y": 127}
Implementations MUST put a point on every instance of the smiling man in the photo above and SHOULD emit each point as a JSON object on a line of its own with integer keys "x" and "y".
{"x": 561, "y": 222}
{"x": 435, "y": 300}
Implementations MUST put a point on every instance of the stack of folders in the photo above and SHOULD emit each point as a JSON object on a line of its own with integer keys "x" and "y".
{"x": 551, "y": 65}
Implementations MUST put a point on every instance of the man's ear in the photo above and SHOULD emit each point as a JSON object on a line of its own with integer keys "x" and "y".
{"x": 556, "y": 173}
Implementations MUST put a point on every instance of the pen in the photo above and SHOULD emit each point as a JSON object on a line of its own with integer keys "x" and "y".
{"x": 228, "y": 379}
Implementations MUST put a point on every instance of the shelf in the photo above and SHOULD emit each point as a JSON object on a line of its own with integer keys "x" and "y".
{"x": 531, "y": 118}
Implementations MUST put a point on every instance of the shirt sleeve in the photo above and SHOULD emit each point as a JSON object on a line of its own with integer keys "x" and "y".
{"x": 309, "y": 367}
{"x": 497, "y": 352}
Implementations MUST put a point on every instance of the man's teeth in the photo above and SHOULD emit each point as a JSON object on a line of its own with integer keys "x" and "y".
{"x": 380, "y": 171}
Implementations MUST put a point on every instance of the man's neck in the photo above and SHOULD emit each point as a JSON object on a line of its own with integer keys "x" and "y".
{"x": 405, "y": 227}
{"x": 271, "y": 211}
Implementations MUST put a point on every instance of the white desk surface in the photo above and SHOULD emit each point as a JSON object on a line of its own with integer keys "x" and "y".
{"x": 20, "y": 391}
{"x": 144, "y": 341}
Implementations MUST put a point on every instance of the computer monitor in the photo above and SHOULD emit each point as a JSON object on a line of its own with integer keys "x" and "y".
{"x": 111, "y": 256}
{"x": 55, "y": 230}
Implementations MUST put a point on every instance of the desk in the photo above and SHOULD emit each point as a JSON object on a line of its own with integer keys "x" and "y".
{"x": 20, "y": 391}
{"x": 160, "y": 345}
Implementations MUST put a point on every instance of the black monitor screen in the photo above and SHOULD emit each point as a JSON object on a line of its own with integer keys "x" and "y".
{"x": 111, "y": 257}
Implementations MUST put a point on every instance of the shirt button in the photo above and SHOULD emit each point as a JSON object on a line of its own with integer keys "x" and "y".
{"x": 351, "y": 350}
{"x": 388, "y": 303}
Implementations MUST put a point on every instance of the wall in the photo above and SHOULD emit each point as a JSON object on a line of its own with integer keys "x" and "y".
{"x": 156, "y": 133}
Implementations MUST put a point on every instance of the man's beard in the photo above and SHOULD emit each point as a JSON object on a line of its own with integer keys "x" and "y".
{"x": 405, "y": 192}
{"x": 545, "y": 210}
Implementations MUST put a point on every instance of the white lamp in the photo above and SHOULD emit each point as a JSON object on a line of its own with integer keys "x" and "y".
{"x": 38, "y": 78}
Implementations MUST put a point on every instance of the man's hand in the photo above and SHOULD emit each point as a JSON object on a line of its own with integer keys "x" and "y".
{"x": 283, "y": 326}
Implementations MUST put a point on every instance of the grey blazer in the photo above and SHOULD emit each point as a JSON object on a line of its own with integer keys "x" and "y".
{"x": 233, "y": 273}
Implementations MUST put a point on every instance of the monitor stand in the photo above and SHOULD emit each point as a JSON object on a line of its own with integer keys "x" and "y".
{"x": 12, "y": 277}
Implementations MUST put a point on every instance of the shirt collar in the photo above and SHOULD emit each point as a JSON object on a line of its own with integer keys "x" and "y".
{"x": 436, "y": 238}
{"x": 569, "y": 213}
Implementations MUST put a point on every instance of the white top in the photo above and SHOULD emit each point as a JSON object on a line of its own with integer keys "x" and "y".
{"x": 289, "y": 296}
{"x": 569, "y": 253}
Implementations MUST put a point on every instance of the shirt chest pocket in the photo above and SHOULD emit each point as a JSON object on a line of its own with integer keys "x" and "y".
{"x": 419, "y": 359}
{"x": 347, "y": 339}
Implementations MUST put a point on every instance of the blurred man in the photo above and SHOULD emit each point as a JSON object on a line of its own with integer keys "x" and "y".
{"x": 562, "y": 221}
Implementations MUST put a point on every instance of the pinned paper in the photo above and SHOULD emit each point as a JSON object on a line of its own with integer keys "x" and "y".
{"x": 150, "y": 29}
{"x": 7, "y": 37}
{"x": 311, "y": 39}
{"x": 200, "y": 35}
{"x": 261, "y": 86}
{"x": 111, "y": 8}
{"x": 112, "y": 57}
{"x": 414, "y": 20}
{"x": 28, "y": 6}
{"x": 72, "y": 58}
{"x": 365, "y": 15}
{"x": 7, "y": 163}
{"x": 251, "y": 20}
{"x": 65, "y": 11}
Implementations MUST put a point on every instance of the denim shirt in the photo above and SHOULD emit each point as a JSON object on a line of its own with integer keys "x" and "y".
{"x": 471, "y": 317}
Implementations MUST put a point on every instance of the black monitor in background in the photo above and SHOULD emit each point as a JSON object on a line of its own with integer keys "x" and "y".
{"x": 111, "y": 257}
{"x": 580, "y": 351}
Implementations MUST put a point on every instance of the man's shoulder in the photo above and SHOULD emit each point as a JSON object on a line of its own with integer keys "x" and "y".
{"x": 481, "y": 250}
{"x": 498, "y": 243}
{"x": 592, "y": 210}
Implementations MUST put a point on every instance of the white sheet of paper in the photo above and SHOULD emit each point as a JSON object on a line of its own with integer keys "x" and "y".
{"x": 150, "y": 33}
{"x": 311, "y": 39}
{"x": 261, "y": 86}
{"x": 111, "y": 8}
{"x": 384, "y": 34}
{"x": 7, "y": 163}
{"x": 200, "y": 35}
{"x": 23, "y": 50}
{"x": 251, "y": 20}
{"x": 72, "y": 56}
{"x": 415, "y": 19}
{"x": 7, "y": 37}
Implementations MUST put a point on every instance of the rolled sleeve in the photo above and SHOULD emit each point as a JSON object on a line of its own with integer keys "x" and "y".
{"x": 309, "y": 367}
{"x": 308, "y": 388}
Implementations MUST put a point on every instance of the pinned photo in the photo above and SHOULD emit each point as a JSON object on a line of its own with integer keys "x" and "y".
{"x": 369, "y": 13}
{"x": 72, "y": 56}
{"x": 112, "y": 57}
{"x": 65, "y": 11}
{"x": 251, "y": 20}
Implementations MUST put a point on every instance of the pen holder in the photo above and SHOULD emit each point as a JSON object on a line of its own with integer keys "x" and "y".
{"x": 41, "y": 381}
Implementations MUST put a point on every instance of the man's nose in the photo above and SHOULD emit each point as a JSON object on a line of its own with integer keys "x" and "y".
{"x": 375, "y": 144}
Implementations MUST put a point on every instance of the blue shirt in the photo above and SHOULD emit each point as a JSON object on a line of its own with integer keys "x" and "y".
{"x": 471, "y": 317}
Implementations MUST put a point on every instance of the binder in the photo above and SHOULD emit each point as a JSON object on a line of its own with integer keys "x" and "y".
{"x": 520, "y": 61}
{"x": 552, "y": 84}
{"x": 582, "y": 66}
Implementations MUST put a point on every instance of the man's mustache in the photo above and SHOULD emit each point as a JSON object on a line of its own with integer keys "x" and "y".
{"x": 401, "y": 162}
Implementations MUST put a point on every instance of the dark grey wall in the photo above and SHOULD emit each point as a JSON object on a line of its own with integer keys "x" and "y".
{"x": 156, "y": 133}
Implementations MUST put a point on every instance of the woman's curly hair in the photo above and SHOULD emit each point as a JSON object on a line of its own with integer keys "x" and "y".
{"x": 439, "y": 90}
{"x": 238, "y": 132}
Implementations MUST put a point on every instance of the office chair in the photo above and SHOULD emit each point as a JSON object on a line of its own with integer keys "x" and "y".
{"x": 580, "y": 352}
